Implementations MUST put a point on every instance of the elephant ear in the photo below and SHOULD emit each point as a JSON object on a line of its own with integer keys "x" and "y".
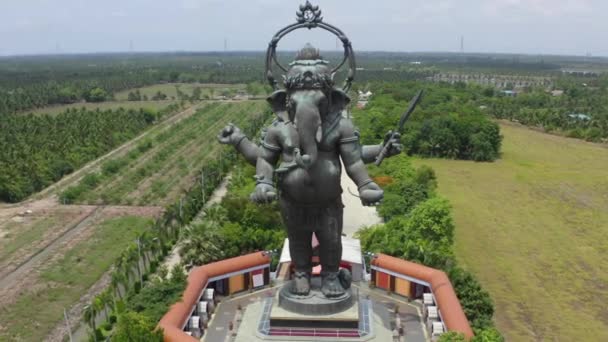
{"x": 278, "y": 103}
{"x": 339, "y": 101}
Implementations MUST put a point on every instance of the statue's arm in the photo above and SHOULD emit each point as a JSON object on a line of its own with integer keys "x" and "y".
{"x": 268, "y": 156}
{"x": 350, "y": 152}
{"x": 232, "y": 135}
{"x": 370, "y": 152}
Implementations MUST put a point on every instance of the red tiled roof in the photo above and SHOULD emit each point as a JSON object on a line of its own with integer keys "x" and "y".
{"x": 179, "y": 312}
{"x": 451, "y": 311}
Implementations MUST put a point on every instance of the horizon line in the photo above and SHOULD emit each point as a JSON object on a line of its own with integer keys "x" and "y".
{"x": 122, "y": 52}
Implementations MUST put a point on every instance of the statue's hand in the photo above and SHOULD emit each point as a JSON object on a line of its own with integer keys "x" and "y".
{"x": 264, "y": 193}
{"x": 230, "y": 135}
{"x": 371, "y": 194}
{"x": 395, "y": 146}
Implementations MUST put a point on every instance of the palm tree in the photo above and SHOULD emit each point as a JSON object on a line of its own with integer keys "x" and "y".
{"x": 118, "y": 277}
{"x": 133, "y": 258}
{"x": 202, "y": 244}
{"x": 107, "y": 301}
{"x": 90, "y": 312}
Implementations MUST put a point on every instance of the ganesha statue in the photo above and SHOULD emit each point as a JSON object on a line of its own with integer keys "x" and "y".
{"x": 302, "y": 154}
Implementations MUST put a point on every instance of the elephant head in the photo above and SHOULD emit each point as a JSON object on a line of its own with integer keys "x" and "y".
{"x": 309, "y": 98}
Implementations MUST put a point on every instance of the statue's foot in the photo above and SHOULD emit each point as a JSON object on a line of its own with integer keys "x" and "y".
{"x": 332, "y": 286}
{"x": 301, "y": 284}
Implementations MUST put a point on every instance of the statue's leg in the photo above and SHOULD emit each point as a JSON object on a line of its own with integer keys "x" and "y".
{"x": 329, "y": 234}
{"x": 300, "y": 246}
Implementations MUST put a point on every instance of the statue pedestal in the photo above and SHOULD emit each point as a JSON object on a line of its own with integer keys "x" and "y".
{"x": 314, "y": 310}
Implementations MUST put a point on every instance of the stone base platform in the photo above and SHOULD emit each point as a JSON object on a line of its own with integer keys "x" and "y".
{"x": 314, "y": 310}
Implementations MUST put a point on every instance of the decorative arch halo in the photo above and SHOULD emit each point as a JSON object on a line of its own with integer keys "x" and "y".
{"x": 309, "y": 16}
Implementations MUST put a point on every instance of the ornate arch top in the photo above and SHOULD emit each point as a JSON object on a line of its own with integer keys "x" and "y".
{"x": 309, "y": 17}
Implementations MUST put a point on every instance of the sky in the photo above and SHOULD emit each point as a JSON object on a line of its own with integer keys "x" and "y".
{"x": 572, "y": 27}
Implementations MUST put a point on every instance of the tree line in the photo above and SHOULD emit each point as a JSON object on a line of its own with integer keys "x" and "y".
{"x": 581, "y": 111}
{"x": 38, "y": 150}
{"x": 447, "y": 123}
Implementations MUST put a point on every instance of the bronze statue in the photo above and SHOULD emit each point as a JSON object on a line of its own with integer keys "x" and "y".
{"x": 309, "y": 139}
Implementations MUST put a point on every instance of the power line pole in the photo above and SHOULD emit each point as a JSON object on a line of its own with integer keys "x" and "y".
{"x": 203, "y": 184}
{"x": 141, "y": 277}
{"x": 461, "y": 44}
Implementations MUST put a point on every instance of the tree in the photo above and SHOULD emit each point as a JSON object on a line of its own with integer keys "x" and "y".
{"x": 196, "y": 94}
{"x": 96, "y": 95}
{"x": 136, "y": 327}
{"x": 452, "y": 336}
{"x": 488, "y": 335}
{"x": 90, "y": 313}
{"x": 155, "y": 298}
{"x": 476, "y": 302}
{"x": 202, "y": 243}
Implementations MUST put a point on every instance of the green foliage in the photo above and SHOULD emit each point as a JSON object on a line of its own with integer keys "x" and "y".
{"x": 236, "y": 227}
{"x": 36, "y": 151}
{"x": 452, "y": 336}
{"x": 476, "y": 302}
{"x": 96, "y": 95}
{"x": 538, "y": 108}
{"x": 488, "y": 335}
{"x": 136, "y": 327}
{"x": 408, "y": 187}
{"x": 202, "y": 244}
{"x": 154, "y": 300}
{"x": 425, "y": 236}
{"x": 446, "y": 123}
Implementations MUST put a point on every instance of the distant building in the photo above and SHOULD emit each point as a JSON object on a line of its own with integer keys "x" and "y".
{"x": 508, "y": 93}
{"x": 363, "y": 99}
{"x": 557, "y": 92}
{"x": 579, "y": 116}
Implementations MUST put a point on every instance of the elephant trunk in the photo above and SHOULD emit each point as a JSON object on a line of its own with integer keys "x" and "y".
{"x": 308, "y": 126}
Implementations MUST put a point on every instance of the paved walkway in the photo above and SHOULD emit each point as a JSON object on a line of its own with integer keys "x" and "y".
{"x": 356, "y": 215}
{"x": 383, "y": 317}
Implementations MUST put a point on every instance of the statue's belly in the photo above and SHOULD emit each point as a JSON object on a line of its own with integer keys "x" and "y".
{"x": 318, "y": 184}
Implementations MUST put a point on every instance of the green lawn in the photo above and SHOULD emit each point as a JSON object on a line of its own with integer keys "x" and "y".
{"x": 54, "y": 110}
{"x": 37, "y": 311}
{"x": 533, "y": 227}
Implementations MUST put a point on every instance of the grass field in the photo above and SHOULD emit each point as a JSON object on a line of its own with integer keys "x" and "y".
{"x": 170, "y": 89}
{"x": 22, "y": 236}
{"x": 533, "y": 227}
{"x": 164, "y": 165}
{"x": 37, "y": 310}
{"x": 54, "y": 110}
